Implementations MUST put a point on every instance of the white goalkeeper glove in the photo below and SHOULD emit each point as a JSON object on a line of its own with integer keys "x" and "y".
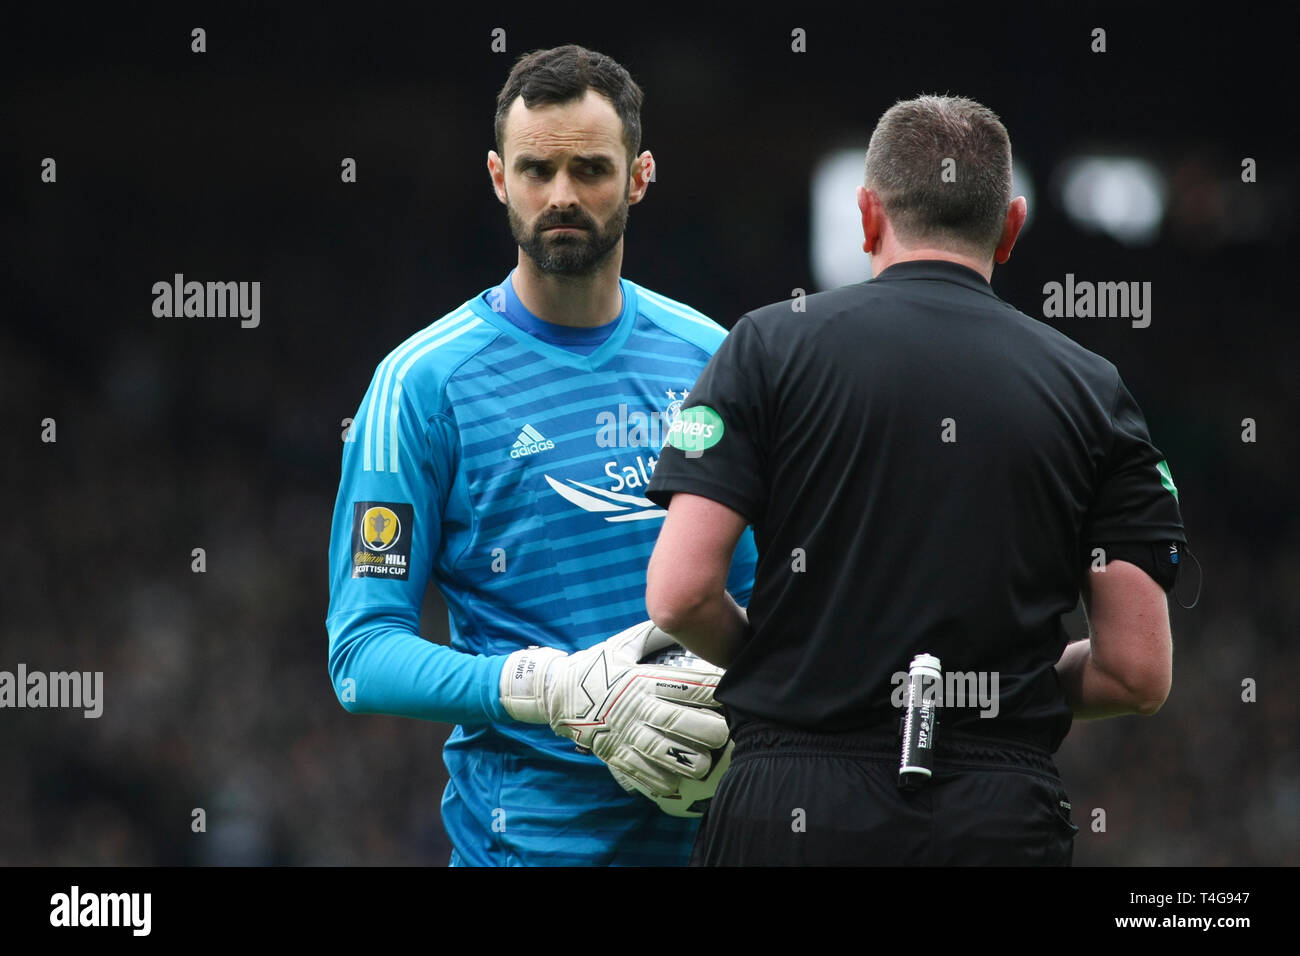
{"x": 692, "y": 796}
{"x": 652, "y": 724}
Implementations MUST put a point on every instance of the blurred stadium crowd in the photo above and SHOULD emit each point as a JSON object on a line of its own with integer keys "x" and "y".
{"x": 181, "y": 434}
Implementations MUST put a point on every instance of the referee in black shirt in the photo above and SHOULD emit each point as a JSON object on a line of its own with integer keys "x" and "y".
{"x": 927, "y": 471}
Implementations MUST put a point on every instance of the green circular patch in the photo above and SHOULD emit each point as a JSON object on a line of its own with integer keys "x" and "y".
{"x": 695, "y": 429}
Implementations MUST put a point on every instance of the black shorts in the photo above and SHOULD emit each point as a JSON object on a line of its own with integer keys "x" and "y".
{"x": 798, "y": 799}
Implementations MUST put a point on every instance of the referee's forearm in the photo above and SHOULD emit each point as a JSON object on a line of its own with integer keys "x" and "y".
{"x": 1091, "y": 692}
{"x": 714, "y": 629}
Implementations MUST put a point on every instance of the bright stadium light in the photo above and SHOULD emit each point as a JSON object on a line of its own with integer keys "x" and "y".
{"x": 837, "y": 256}
{"x": 1123, "y": 197}
{"x": 1022, "y": 184}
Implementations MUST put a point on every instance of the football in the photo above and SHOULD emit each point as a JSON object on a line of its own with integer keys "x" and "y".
{"x": 693, "y": 796}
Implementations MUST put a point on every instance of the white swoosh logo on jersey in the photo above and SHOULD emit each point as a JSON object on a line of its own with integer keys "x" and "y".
{"x": 600, "y": 501}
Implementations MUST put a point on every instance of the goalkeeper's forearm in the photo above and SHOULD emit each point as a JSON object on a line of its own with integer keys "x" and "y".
{"x": 382, "y": 666}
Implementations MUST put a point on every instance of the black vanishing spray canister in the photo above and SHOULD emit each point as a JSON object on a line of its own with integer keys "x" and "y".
{"x": 924, "y": 679}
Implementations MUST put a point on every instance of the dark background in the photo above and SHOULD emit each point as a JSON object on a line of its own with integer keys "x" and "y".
{"x": 184, "y": 432}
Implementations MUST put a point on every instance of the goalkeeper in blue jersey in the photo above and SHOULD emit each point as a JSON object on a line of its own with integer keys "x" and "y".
{"x": 503, "y": 452}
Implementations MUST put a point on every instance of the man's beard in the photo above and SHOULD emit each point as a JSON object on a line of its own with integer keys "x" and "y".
{"x": 568, "y": 254}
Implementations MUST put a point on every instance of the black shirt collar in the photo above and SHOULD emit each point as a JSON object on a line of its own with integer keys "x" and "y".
{"x": 940, "y": 269}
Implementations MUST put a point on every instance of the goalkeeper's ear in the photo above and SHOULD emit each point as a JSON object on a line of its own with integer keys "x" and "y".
{"x": 496, "y": 167}
{"x": 639, "y": 177}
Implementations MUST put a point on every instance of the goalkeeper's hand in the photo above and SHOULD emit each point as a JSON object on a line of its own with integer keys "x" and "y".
{"x": 652, "y": 724}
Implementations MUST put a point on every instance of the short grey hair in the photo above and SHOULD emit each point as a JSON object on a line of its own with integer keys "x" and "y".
{"x": 906, "y": 165}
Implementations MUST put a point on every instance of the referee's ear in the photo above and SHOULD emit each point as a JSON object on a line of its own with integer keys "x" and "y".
{"x": 496, "y": 167}
{"x": 1011, "y": 227}
{"x": 640, "y": 176}
{"x": 873, "y": 219}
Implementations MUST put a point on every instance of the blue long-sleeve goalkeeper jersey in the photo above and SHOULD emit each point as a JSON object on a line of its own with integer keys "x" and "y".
{"x": 511, "y": 472}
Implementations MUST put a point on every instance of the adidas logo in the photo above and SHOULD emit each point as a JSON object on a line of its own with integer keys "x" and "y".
{"x": 530, "y": 442}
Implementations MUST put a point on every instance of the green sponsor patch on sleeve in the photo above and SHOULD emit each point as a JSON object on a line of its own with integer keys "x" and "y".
{"x": 1167, "y": 479}
{"x": 695, "y": 429}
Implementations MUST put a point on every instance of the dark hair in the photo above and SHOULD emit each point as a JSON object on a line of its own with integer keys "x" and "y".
{"x": 906, "y": 166}
{"x": 564, "y": 74}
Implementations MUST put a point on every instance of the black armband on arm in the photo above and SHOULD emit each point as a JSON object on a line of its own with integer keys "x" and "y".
{"x": 1159, "y": 559}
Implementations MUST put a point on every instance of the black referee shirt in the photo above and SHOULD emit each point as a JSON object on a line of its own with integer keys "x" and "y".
{"x": 926, "y": 469}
